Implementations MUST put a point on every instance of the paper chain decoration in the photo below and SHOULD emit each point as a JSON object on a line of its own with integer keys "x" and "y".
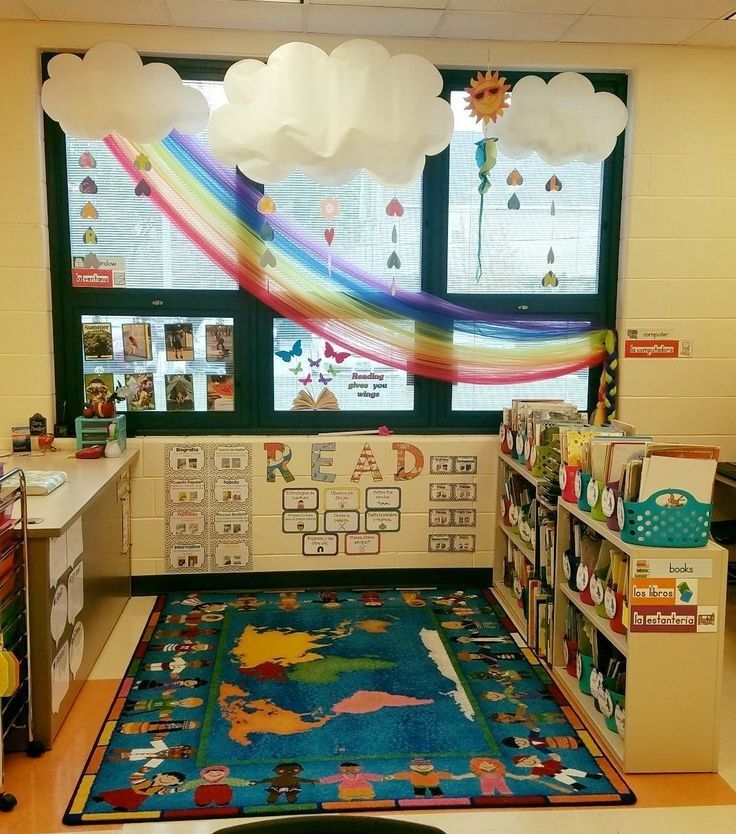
{"x": 216, "y": 210}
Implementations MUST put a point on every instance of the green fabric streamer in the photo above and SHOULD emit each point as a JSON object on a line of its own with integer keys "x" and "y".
{"x": 485, "y": 158}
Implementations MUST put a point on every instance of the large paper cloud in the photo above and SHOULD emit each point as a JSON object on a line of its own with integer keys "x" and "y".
{"x": 111, "y": 91}
{"x": 332, "y": 115}
{"x": 562, "y": 121}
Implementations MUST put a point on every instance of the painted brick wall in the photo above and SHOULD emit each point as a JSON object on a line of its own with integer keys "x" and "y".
{"x": 678, "y": 246}
{"x": 275, "y": 551}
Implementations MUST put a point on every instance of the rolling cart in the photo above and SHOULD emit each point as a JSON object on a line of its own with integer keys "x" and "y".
{"x": 15, "y": 681}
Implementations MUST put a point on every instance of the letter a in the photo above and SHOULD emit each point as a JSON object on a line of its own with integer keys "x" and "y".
{"x": 366, "y": 463}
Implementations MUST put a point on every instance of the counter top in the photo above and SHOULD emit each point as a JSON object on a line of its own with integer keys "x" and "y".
{"x": 85, "y": 480}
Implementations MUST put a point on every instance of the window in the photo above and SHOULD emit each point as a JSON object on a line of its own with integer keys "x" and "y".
{"x": 138, "y": 305}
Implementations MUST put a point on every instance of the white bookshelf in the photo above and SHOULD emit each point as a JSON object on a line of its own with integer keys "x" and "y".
{"x": 673, "y": 680}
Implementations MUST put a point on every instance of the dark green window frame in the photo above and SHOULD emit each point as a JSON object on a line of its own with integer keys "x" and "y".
{"x": 253, "y": 321}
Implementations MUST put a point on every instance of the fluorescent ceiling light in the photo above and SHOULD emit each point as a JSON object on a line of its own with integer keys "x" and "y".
{"x": 731, "y": 16}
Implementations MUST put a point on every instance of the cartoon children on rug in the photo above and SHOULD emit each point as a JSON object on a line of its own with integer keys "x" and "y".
{"x": 175, "y": 666}
{"x": 553, "y": 769}
{"x": 423, "y": 777}
{"x": 155, "y": 753}
{"x": 287, "y": 782}
{"x": 188, "y": 633}
{"x": 194, "y": 618}
{"x": 157, "y": 727}
{"x": 214, "y": 787}
{"x": 537, "y": 741}
{"x": 353, "y": 783}
{"x": 164, "y": 704}
{"x": 146, "y": 684}
{"x": 141, "y": 788}
{"x": 186, "y": 647}
{"x": 491, "y": 774}
{"x": 531, "y": 720}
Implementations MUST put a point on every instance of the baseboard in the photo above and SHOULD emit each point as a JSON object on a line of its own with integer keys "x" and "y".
{"x": 384, "y": 578}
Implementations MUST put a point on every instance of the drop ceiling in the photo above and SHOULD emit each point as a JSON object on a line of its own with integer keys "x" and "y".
{"x": 691, "y": 22}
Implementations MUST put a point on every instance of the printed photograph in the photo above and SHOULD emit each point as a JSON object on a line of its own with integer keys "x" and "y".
{"x": 179, "y": 392}
{"x": 141, "y": 396}
{"x": 219, "y": 341}
{"x": 137, "y": 342}
{"x": 97, "y": 340}
{"x": 98, "y": 387}
{"x": 179, "y": 342}
{"x": 220, "y": 393}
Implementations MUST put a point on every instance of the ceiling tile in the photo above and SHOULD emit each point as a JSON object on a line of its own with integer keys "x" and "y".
{"x": 354, "y": 20}
{"x": 237, "y": 14}
{"x": 604, "y": 29}
{"x": 701, "y": 9}
{"x": 503, "y": 26}
{"x": 151, "y": 12}
{"x": 719, "y": 33}
{"x": 15, "y": 10}
{"x": 523, "y": 6}
{"x": 397, "y": 4}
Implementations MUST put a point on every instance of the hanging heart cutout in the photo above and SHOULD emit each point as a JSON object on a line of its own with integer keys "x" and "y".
{"x": 89, "y": 212}
{"x": 393, "y": 262}
{"x": 394, "y": 208}
{"x": 329, "y": 235}
{"x": 514, "y": 203}
{"x": 266, "y": 205}
{"x": 267, "y": 258}
{"x": 143, "y": 189}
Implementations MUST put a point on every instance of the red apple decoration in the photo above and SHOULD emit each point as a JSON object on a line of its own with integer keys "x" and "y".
{"x": 88, "y": 410}
{"x": 107, "y": 408}
{"x": 45, "y": 442}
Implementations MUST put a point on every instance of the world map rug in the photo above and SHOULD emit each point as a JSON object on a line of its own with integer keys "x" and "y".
{"x": 275, "y": 703}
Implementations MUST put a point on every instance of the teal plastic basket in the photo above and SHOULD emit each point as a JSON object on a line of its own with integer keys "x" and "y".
{"x": 681, "y": 522}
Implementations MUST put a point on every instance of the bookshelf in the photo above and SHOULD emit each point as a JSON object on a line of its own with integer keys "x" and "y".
{"x": 506, "y": 536}
{"x": 673, "y": 679}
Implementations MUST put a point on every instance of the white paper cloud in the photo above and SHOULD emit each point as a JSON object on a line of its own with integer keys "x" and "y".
{"x": 562, "y": 121}
{"x": 332, "y": 115}
{"x": 111, "y": 91}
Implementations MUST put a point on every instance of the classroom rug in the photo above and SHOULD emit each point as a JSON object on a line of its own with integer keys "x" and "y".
{"x": 287, "y": 702}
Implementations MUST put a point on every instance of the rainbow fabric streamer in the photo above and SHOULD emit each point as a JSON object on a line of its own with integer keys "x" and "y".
{"x": 413, "y": 331}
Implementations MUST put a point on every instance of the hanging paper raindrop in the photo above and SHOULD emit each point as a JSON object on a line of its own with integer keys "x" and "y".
{"x": 514, "y": 179}
{"x": 266, "y": 207}
{"x": 552, "y": 186}
{"x": 394, "y": 209}
{"x": 88, "y": 186}
{"x": 329, "y": 208}
{"x": 89, "y": 237}
{"x": 89, "y": 212}
{"x": 142, "y": 163}
{"x": 86, "y": 160}
{"x": 143, "y": 189}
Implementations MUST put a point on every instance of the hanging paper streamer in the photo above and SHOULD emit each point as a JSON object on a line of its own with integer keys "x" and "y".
{"x": 552, "y": 186}
{"x": 608, "y": 390}
{"x": 485, "y": 159}
{"x": 266, "y": 206}
{"x": 395, "y": 210}
{"x": 411, "y": 331}
{"x": 514, "y": 179}
{"x": 329, "y": 208}
{"x": 488, "y": 96}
